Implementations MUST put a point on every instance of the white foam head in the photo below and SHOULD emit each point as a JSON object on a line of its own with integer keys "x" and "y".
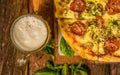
{"x": 29, "y": 33}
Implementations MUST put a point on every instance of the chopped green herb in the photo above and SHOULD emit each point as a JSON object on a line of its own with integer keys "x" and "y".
{"x": 90, "y": 2}
{"x": 115, "y": 22}
{"x": 80, "y": 15}
{"x": 59, "y": 4}
{"x": 95, "y": 8}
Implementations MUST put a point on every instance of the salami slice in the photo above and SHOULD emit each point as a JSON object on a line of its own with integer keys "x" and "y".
{"x": 78, "y": 28}
{"x": 78, "y": 6}
{"x": 113, "y": 7}
{"x": 112, "y": 45}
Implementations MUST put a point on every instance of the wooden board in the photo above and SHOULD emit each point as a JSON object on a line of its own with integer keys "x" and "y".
{"x": 9, "y": 11}
{"x": 42, "y": 8}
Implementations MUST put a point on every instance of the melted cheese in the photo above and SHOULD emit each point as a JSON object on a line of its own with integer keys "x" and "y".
{"x": 95, "y": 48}
{"x": 106, "y": 16}
{"x": 103, "y": 2}
{"x": 117, "y": 53}
{"x": 101, "y": 48}
{"x": 62, "y": 9}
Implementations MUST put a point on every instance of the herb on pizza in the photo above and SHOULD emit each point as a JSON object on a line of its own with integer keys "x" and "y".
{"x": 94, "y": 9}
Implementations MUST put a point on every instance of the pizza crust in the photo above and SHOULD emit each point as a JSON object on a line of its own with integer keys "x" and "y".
{"x": 109, "y": 58}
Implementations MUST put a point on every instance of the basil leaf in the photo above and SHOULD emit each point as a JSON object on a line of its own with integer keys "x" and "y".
{"x": 65, "y": 48}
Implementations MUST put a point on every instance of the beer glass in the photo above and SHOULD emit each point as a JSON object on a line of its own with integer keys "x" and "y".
{"x": 29, "y": 33}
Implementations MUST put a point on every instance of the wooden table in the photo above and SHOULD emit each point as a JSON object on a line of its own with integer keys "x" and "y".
{"x": 9, "y": 11}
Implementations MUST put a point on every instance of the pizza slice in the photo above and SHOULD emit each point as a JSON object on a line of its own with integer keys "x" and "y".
{"x": 79, "y": 38}
{"x": 91, "y": 27}
{"x": 82, "y": 9}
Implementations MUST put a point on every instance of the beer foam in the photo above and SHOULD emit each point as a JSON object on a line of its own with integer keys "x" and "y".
{"x": 29, "y": 33}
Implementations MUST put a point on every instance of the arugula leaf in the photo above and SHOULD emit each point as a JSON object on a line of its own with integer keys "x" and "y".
{"x": 78, "y": 69}
{"x": 72, "y": 67}
{"x": 65, "y": 48}
{"x": 58, "y": 67}
{"x": 83, "y": 72}
{"x": 50, "y": 66}
{"x": 51, "y": 44}
{"x": 53, "y": 69}
{"x": 46, "y": 72}
{"x": 79, "y": 65}
{"x": 49, "y": 49}
{"x": 65, "y": 69}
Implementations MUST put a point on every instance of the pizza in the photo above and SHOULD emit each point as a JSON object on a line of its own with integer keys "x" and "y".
{"x": 91, "y": 27}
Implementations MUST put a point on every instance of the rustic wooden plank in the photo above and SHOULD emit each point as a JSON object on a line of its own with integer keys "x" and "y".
{"x": 118, "y": 69}
{"x": 9, "y": 10}
{"x": 115, "y": 69}
{"x": 42, "y": 8}
{"x": 99, "y": 69}
{"x": 45, "y": 9}
{"x": 38, "y": 61}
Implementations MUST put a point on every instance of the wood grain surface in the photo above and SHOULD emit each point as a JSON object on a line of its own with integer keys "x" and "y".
{"x": 9, "y": 11}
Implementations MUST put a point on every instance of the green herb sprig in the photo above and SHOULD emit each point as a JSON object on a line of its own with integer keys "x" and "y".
{"x": 53, "y": 69}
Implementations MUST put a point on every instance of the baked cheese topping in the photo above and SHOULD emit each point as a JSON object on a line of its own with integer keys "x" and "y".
{"x": 93, "y": 8}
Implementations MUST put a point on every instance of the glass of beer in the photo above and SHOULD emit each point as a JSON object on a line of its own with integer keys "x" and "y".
{"x": 29, "y": 33}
